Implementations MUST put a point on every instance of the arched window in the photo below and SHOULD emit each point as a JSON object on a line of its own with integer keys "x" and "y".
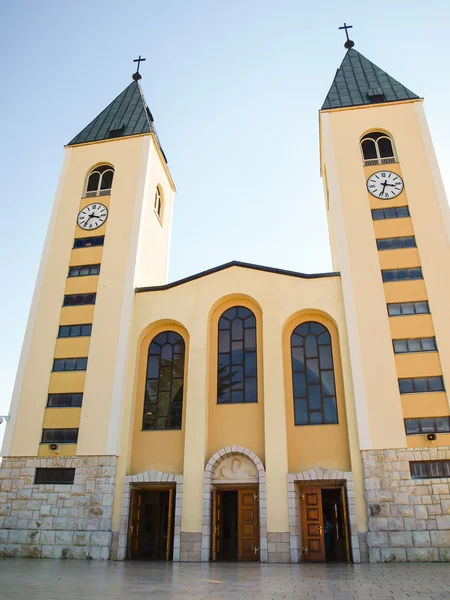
{"x": 158, "y": 202}
{"x": 163, "y": 402}
{"x": 99, "y": 181}
{"x": 377, "y": 149}
{"x": 313, "y": 375}
{"x": 237, "y": 370}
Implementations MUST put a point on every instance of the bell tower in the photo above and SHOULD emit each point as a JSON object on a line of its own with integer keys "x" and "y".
{"x": 109, "y": 232}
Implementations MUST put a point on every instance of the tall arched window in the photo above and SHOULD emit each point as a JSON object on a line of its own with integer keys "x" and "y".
{"x": 158, "y": 202}
{"x": 377, "y": 149}
{"x": 99, "y": 181}
{"x": 237, "y": 369}
{"x": 163, "y": 403}
{"x": 313, "y": 375}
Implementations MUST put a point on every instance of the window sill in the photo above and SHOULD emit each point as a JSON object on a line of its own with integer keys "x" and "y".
{"x": 313, "y": 424}
{"x": 162, "y": 430}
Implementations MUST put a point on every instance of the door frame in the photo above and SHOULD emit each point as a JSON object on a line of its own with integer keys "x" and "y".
{"x": 329, "y": 485}
{"x": 154, "y": 487}
{"x": 223, "y": 487}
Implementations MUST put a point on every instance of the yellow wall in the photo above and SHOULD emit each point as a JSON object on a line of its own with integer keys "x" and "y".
{"x": 235, "y": 424}
{"x": 306, "y": 443}
{"x": 380, "y": 413}
{"x": 160, "y": 450}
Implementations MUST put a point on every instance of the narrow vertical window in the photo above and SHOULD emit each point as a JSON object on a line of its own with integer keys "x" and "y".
{"x": 158, "y": 202}
{"x": 313, "y": 375}
{"x": 163, "y": 402}
{"x": 237, "y": 369}
{"x": 99, "y": 181}
{"x": 377, "y": 149}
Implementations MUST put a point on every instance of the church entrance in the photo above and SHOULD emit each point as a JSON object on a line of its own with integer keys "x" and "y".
{"x": 324, "y": 524}
{"x": 235, "y": 523}
{"x": 152, "y": 513}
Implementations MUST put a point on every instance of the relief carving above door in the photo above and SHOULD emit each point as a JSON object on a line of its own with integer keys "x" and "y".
{"x": 236, "y": 469}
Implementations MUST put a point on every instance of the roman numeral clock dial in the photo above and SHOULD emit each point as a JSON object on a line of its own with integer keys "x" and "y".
{"x": 92, "y": 216}
{"x": 385, "y": 185}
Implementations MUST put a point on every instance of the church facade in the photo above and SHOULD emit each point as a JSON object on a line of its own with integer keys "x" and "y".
{"x": 243, "y": 413}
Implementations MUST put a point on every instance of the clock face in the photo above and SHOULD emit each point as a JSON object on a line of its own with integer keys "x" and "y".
{"x": 385, "y": 185}
{"x": 92, "y": 216}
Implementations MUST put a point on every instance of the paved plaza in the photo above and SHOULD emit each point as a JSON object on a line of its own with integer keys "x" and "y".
{"x": 82, "y": 580}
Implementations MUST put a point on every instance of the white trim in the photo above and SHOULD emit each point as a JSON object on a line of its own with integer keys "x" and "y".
{"x": 126, "y": 318}
{"x": 151, "y": 476}
{"x": 35, "y": 301}
{"x": 320, "y": 475}
{"x": 357, "y": 374}
{"x": 208, "y": 481}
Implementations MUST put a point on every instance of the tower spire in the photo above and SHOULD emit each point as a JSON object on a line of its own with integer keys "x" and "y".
{"x": 136, "y": 76}
{"x": 349, "y": 43}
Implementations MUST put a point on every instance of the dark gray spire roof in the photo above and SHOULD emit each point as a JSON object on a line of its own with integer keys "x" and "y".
{"x": 358, "y": 81}
{"x": 127, "y": 115}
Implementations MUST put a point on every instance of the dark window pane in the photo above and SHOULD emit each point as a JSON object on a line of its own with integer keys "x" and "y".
{"x": 314, "y": 397}
{"x": 414, "y": 345}
{"x": 390, "y": 213}
{"x": 251, "y": 390}
{"x": 75, "y": 330}
{"x": 420, "y": 384}
{"x": 400, "y": 346}
{"x": 81, "y": 364}
{"x": 377, "y": 214}
{"x": 163, "y": 402}
{"x": 415, "y": 273}
{"x": 311, "y": 346}
{"x": 93, "y": 181}
{"x": 224, "y": 341}
{"x": 409, "y": 242}
{"x": 237, "y": 329}
{"x": 237, "y": 353}
{"x": 383, "y": 244}
{"x": 250, "y": 339}
{"x": 299, "y": 385}
{"x": 250, "y": 364}
{"x": 407, "y": 308}
{"x": 406, "y": 386}
{"x": 428, "y": 344}
{"x": 300, "y": 412}
{"x": 58, "y": 364}
{"x": 329, "y": 409}
{"x": 369, "y": 149}
{"x": 396, "y": 243}
{"x": 312, "y": 370}
{"x": 422, "y": 307}
{"x": 385, "y": 148}
{"x": 328, "y": 383}
{"x": 427, "y": 425}
{"x": 326, "y": 361}
{"x": 436, "y": 384}
{"x": 237, "y": 397}
{"x": 54, "y": 476}
{"x": 443, "y": 425}
{"x": 315, "y": 418}
{"x": 402, "y": 211}
{"x": 86, "y": 330}
{"x": 394, "y": 309}
{"x": 237, "y": 378}
{"x": 107, "y": 179}
{"x": 64, "y": 331}
{"x": 412, "y": 426}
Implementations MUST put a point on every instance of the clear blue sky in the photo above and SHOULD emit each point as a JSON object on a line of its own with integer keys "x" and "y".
{"x": 234, "y": 87}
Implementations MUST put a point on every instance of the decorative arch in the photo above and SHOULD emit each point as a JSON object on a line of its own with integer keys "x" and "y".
{"x": 99, "y": 181}
{"x": 318, "y": 475}
{"x": 210, "y": 469}
{"x": 377, "y": 148}
{"x": 150, "y": 476}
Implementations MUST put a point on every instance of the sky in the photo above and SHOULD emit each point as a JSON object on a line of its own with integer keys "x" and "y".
{"x": 234, "y": 87}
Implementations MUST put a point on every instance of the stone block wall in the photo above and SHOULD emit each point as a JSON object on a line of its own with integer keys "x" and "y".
{"x": 57, "y": 521}
{"x": 409, "y": 519}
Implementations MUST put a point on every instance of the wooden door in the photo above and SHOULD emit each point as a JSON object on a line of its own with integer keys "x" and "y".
{"x": 248, "y": 525}
{"x": 170, "y": 525}
{"x": 313, "y": 542}
{"x": 345, "y": 523}
{"x": 216, "y": 523}
{"x": 134, "y": 550}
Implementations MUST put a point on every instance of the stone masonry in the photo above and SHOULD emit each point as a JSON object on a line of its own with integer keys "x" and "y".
{"x": 57, "y": 521}
{"x": 409, "y": 519}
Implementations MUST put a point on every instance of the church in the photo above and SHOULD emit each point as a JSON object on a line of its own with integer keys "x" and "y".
{"x": 244, "y": 413}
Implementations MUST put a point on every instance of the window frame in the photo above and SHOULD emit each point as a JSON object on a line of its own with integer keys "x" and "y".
{"x": 405, "y": 270}
{"x": 379, "y": 160}
{"x": 392, "y": 240}
{"x": 57, "y": 440}
{"x": 419, "y": 340}
{"x": 248, "y": 365}
{"x": 425, "y": 429}
{"x": 402, "y": 304}
{"x": 377, "y": 211}
{"x": 65, "y": 395}
{"x": 78, "y": 361}
{"x": 81, "y": 334}
{"x": 320, "y": 371}
{"x": 172, "y": 396}
{"x": 53, "y": 470}
{"x": 427, "y": 466}
{"x": 101, "y": 170}
{"x": 414, "y": 381}
{"x": 95, "y": 268}
{"x": 88, "y": 295}
{"x": 80, "y": 243}
{"x": 158, "y": 203}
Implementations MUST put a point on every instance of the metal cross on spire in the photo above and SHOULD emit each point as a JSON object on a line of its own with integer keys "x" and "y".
{"x": 137, "y": 75}
{"x": 349, "y": 43}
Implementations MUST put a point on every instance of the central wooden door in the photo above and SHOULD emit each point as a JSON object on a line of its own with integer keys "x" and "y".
{"x": 313, "y": 540}
{"x": 248, "y": 525}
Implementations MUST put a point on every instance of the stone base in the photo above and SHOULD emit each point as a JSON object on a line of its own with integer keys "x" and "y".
{"x": 278, "y": 547}
{"x": 409, "y": 519}
{"x": 190, "y": 547}
{"x": 57, "y": 521}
